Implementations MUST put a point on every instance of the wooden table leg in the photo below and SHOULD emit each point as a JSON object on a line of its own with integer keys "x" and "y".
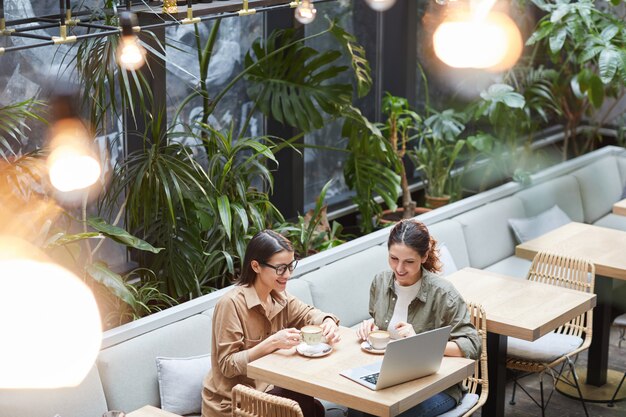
{"x": 598, "y": 360}
{"x": 496, "y": 361}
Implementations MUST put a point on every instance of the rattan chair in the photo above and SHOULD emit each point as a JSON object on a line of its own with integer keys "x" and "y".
{"x": 248, "y": 402}
{"x": 478, "y": 384}
{"x": 566, "y": 342}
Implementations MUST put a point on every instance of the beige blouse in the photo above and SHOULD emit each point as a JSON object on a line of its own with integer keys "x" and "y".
{"x": 239, "y": 323}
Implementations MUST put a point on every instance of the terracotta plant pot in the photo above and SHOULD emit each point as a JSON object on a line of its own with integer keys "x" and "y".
{"x": 436, "y": 202}
{"x": 390, "y": 217}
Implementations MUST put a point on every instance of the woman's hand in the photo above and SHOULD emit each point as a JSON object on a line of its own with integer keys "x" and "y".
{"x": 330, "y": 331}
{"x": 365, "y": 328}
{"x": 286, "y": 338}
{"x": 405, "y": 329}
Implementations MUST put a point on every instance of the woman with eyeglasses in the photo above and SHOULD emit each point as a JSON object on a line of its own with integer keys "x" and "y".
{"x": 256, "y": 318}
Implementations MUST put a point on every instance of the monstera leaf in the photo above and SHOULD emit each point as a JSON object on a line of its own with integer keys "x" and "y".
{"x": 360, "y": 66}
{"x": 296, "y": 85}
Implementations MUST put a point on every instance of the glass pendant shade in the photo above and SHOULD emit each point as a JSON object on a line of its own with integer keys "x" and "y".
{"x": 380, "y": 5}
{"x": 305, "y": 12}
{"x": 72, "y": 164}
{"x": 49, "y": 323}
{"x": 130, "y": 54}
{"x": 492, "y": 42}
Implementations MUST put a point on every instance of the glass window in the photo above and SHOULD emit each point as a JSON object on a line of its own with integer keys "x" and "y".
{"x": 321, "y": 164}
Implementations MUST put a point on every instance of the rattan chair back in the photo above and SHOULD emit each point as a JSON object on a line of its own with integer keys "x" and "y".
{"x": 479, "y": 382}
{"x": 248, "y": 402}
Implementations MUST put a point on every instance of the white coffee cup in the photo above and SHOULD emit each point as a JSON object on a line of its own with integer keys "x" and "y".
{"x": 378, "y": 339}
{"x": 311, "y": 335}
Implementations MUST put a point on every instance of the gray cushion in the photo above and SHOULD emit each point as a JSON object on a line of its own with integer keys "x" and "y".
{"x": 545, "y": 349}
{"x": 612, "y": 221}
{"x": 128, "y": 373}
{"x": 447, "y": 262}
{"x": 535, "y": 226}
{"x": 600, "y": 186}
{"x": 621, "y": 165}
{"x": 488, "y": 236}
{"x": 85, "y": 400}
{"x": 180, "y": 383}
{"x": 299, "y": 288}
{"x": 450, "y": 232}
{"x": 467, "y": 402}
{"x": 620, "y": 320}
{"x": 562, "y": 191}
{"x": 342, "y": 288}
{"x": 511, "y": 266}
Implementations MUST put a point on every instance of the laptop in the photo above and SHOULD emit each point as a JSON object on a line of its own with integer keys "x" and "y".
{"x": 405, "y": 359}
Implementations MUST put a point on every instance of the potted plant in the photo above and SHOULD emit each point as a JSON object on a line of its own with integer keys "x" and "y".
{"x": 436, "y": 152}
{"x": 399, "y": 129}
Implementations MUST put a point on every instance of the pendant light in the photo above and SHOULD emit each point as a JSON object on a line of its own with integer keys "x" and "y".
{"x": 130, "y": 54}
{"x": 305, "y": 12}
{"x": 380, "y": 5}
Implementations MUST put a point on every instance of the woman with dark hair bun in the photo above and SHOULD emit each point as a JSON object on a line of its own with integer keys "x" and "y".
{"x": 412, "y": 298}
{"x": 256, "y": 318}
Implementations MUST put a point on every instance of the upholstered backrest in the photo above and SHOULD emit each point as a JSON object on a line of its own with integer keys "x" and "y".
{"x": 299, "y": 288}
{"x": 342, "y": 288}
{"x": 600, "y": 186}
{"x": 488, "y": 237}
{"x": 85, "y": 400}
{"x": 621, "y": 165}
{"x": 450, "y": 232}
{"x": 562, "y": 191}
{"x": 128, "y": 370}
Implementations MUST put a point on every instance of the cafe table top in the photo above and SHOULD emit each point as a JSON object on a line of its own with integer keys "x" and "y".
{"x": 518, "y": 307}
{"x": 602, "y": 246}
{"x": 620, "y": 207}
{"x": 319, "y": 377}
{"x": 151, "y": 411}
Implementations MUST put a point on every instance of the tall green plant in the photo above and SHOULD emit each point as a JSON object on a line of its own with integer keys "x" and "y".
{"x": 587, "y": 45}
{"x": 14, "y": 120}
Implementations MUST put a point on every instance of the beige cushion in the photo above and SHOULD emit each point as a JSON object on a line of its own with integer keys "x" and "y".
{"x": 545, "y": 349}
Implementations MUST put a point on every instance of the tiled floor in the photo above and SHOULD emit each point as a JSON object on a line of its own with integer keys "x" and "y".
{"x": 560, "y": 405}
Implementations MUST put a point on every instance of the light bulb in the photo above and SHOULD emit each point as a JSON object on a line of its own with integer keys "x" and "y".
{"x": 380, "y": 5}
{"x": 305, "y": 12}
{"x": 72, "y": 165}
{"x": 130, "y": 54}
{"x": 491, "y": 41}
{"x": 441, "y": 2}
{"x": 49, "y": 323}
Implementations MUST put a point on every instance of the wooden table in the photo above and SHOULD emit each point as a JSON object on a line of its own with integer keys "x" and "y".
{"x": 519, "y": 308}
{"x": 620, "y": 208}
{"x": 606, "y": 249}
{"x": 150, "y": 411}
{"x": 320, "y": 377}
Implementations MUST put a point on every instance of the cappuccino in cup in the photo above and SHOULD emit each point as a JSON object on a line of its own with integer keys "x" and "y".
{"x": 378, "y": 339}
{"x": 311, "y": 335}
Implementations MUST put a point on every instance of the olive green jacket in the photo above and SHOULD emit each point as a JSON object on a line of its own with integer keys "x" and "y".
{"x": 437, "y": 304}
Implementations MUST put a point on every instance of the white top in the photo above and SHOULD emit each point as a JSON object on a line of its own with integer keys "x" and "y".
{"x": 400, "y": 312}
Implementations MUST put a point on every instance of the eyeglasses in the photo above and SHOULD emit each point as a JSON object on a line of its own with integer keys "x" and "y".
{"x": 281, "y": 269}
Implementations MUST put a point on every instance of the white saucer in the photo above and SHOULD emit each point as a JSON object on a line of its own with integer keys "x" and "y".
{"x": 314, "y": 351}
{"x": 369, "y": 349}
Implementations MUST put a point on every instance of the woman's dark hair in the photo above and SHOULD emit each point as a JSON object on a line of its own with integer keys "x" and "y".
{"x": 262, "y": 246}
{"x": 415, "y": 235}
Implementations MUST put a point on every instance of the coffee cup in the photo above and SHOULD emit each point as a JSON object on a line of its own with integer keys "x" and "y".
{"x": 311, "y": 335}
{"x": 378, "y": 339}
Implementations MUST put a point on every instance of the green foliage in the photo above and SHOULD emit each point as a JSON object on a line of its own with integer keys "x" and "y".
{"x": 14, "y": 120}
{"x": 294, "y": 85}
{"x": 371, "y": 166}
{"x": 312, "y": 233}
{"x": 438, "y": 149}
{"x": 587, "y": 45}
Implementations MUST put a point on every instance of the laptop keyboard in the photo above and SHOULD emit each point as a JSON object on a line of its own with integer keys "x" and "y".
{"x": 372, "y": 379}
